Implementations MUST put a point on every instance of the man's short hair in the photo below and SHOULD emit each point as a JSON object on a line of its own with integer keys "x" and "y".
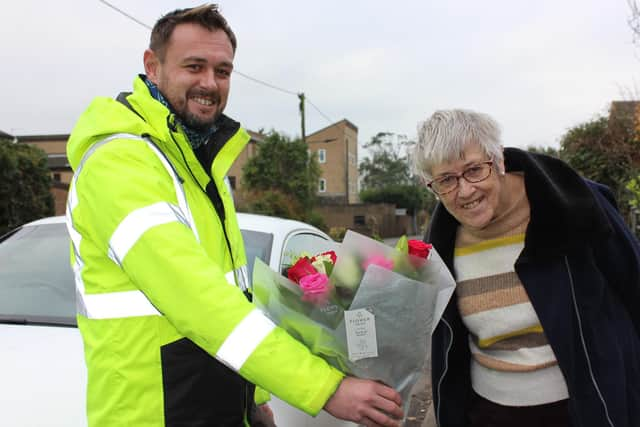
{"x": 206, "y": 15}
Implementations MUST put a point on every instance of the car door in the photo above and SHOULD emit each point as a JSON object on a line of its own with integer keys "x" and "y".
{"x": 42, "y": 369}
{"x": 296, "y": 243}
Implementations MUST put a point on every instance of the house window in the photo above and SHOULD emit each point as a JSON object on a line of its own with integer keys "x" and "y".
{"x": 359, "y": 220}
{"x": 322, "y": 155}
{"x": 232, "y": 182}
{"x": 56, "y": 177}
{"x": 322, "y": 185}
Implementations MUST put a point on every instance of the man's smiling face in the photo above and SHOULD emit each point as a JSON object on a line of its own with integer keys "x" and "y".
{"x": 195, "y": 73}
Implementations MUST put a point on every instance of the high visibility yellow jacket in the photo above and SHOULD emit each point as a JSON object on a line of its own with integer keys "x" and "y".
{"x": 170, "y": 339}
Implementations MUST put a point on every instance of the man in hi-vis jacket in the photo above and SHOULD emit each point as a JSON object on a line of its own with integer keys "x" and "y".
{"x": 170, "y": 336}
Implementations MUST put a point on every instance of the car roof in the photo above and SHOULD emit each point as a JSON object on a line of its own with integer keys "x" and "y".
{"x": 246, "y": 221}
{"x": 48, "y": 220}
{"x": 271, "y": 224}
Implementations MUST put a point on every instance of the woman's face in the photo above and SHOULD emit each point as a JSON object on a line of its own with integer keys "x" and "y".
{"x": 474, "y": 205}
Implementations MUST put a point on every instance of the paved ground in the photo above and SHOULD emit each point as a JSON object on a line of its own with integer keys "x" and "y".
{"x": 421, "y": 407}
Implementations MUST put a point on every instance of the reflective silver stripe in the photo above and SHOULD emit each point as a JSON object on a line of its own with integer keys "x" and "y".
{"x": 242, "y": 276}
{"x": 182, "y": 198}
{"x": 72, "y": 199}
{"x": 138, "y": 222}
{"x": 179, "y": 189}
{"x": 128, "y": 303}
{"x": 75, "y": 238}
{"x": 231, "y": 277}
{"x": 239, "y": 277}
{"x": 117, "y": 304}
{"x": 244, "y": 339}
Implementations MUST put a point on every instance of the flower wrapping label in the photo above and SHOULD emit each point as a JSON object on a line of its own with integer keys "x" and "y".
{"x": 360, "y": 326}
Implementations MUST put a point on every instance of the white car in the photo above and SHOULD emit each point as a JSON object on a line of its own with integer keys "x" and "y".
{"x": 42, "y": 366}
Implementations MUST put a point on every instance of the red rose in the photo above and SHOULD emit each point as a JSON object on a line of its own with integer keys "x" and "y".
{"x": 419, "y": 248}
{"x": 301, "y": 268}
{"x": 330, "y": 254}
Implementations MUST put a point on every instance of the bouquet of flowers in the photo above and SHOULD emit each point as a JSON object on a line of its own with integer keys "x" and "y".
{"x": 368, "y": 309}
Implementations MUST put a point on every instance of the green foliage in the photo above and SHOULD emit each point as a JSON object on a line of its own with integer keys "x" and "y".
{"x": 410, "y": 197}
{"x": 387, "y": 177}
{"x": 282, "y": 178}
{"x": 634, "y": 188}
{"x": 549, "y": 151}
{"x": 275, "y": 203}
{"x": 602, "y": 154}
{"x": 387, "y": 163}
{"x": 316, "y": 219}
{"x": 337, "y": 233}
{"x": 24, "y": 185}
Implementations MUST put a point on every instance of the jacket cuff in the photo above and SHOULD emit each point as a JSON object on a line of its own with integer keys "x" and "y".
{"x": 327, "y": 390}
{"x": 261, "y": 396}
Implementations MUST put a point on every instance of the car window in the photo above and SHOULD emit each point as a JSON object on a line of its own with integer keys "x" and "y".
{"x": 309, "y": 243}
{"x": 257, "y": 244}
{"x": 36, "y": 281}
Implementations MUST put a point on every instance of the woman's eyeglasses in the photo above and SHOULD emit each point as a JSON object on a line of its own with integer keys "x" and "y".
{"x": 475, "y": 173}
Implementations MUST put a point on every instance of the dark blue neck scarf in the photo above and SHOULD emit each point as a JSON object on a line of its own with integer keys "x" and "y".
{"x": 196, "y": 138}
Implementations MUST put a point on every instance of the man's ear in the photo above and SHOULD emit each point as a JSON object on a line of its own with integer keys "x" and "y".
{"x": 151, "y": 65}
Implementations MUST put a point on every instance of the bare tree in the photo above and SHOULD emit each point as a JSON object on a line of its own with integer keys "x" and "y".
{"x": 634, "y": 20}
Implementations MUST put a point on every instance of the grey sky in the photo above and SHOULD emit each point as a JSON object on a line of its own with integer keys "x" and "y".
{"x": 537, "y": 67}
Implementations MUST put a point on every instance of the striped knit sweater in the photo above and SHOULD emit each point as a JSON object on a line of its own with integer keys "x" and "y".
{"x": 512, "y": 362}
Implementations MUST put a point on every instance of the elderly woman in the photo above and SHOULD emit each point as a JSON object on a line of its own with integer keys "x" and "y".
{"x": 544, "y": 326}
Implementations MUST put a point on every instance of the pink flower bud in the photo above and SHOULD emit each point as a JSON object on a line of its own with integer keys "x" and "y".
{"x": 315, "y": 287}
{"x": 378, "y": 260}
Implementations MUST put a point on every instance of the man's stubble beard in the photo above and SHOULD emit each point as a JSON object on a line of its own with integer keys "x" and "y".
{"x": 191, "y": 119}
{"x": 194, "y": 122}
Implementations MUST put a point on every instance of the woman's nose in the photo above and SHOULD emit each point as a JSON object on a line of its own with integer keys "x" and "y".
{"x": 464, "y": 187}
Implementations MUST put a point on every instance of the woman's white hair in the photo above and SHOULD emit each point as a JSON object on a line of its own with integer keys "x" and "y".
{"x": 444, "y": 136}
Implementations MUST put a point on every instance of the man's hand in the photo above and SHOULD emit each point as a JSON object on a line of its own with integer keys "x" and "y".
{"x": 263, "y": 417}
{"x": 366, "y": 402}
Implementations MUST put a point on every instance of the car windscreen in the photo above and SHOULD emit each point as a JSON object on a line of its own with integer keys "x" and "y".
{"x": 257, "y": 244}
{"x": 36, "y": 281}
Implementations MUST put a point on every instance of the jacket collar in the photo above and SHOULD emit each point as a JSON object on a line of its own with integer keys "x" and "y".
{"x": 564, "y": 211}
{"x": 165, "y": 127}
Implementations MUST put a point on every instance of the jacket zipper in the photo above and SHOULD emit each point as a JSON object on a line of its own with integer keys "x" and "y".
{"x": 446, "y": 368}
{"x": 245, "y": 405}
{"x": 584, "y": 344}
{"x": 221, "y": 214}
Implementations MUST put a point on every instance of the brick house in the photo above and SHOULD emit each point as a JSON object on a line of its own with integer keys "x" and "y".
{"x": 55, "y": 146}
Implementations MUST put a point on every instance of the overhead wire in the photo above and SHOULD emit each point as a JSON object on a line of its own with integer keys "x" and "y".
{"x": 318, "y": 110}
{"x": 265, "y": 83}
{"x": 137, "y": 21}
{"x": 246, "y": 76}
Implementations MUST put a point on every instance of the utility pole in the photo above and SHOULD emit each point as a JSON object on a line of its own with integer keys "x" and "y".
{"x": 301, "y": 97}
{"x": 346, "y": 170}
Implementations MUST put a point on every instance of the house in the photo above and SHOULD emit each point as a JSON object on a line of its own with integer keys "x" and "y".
{"x": 336, "y": 147}
{"x": 55, "y": 146}
{"x": 8, "y": 137}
